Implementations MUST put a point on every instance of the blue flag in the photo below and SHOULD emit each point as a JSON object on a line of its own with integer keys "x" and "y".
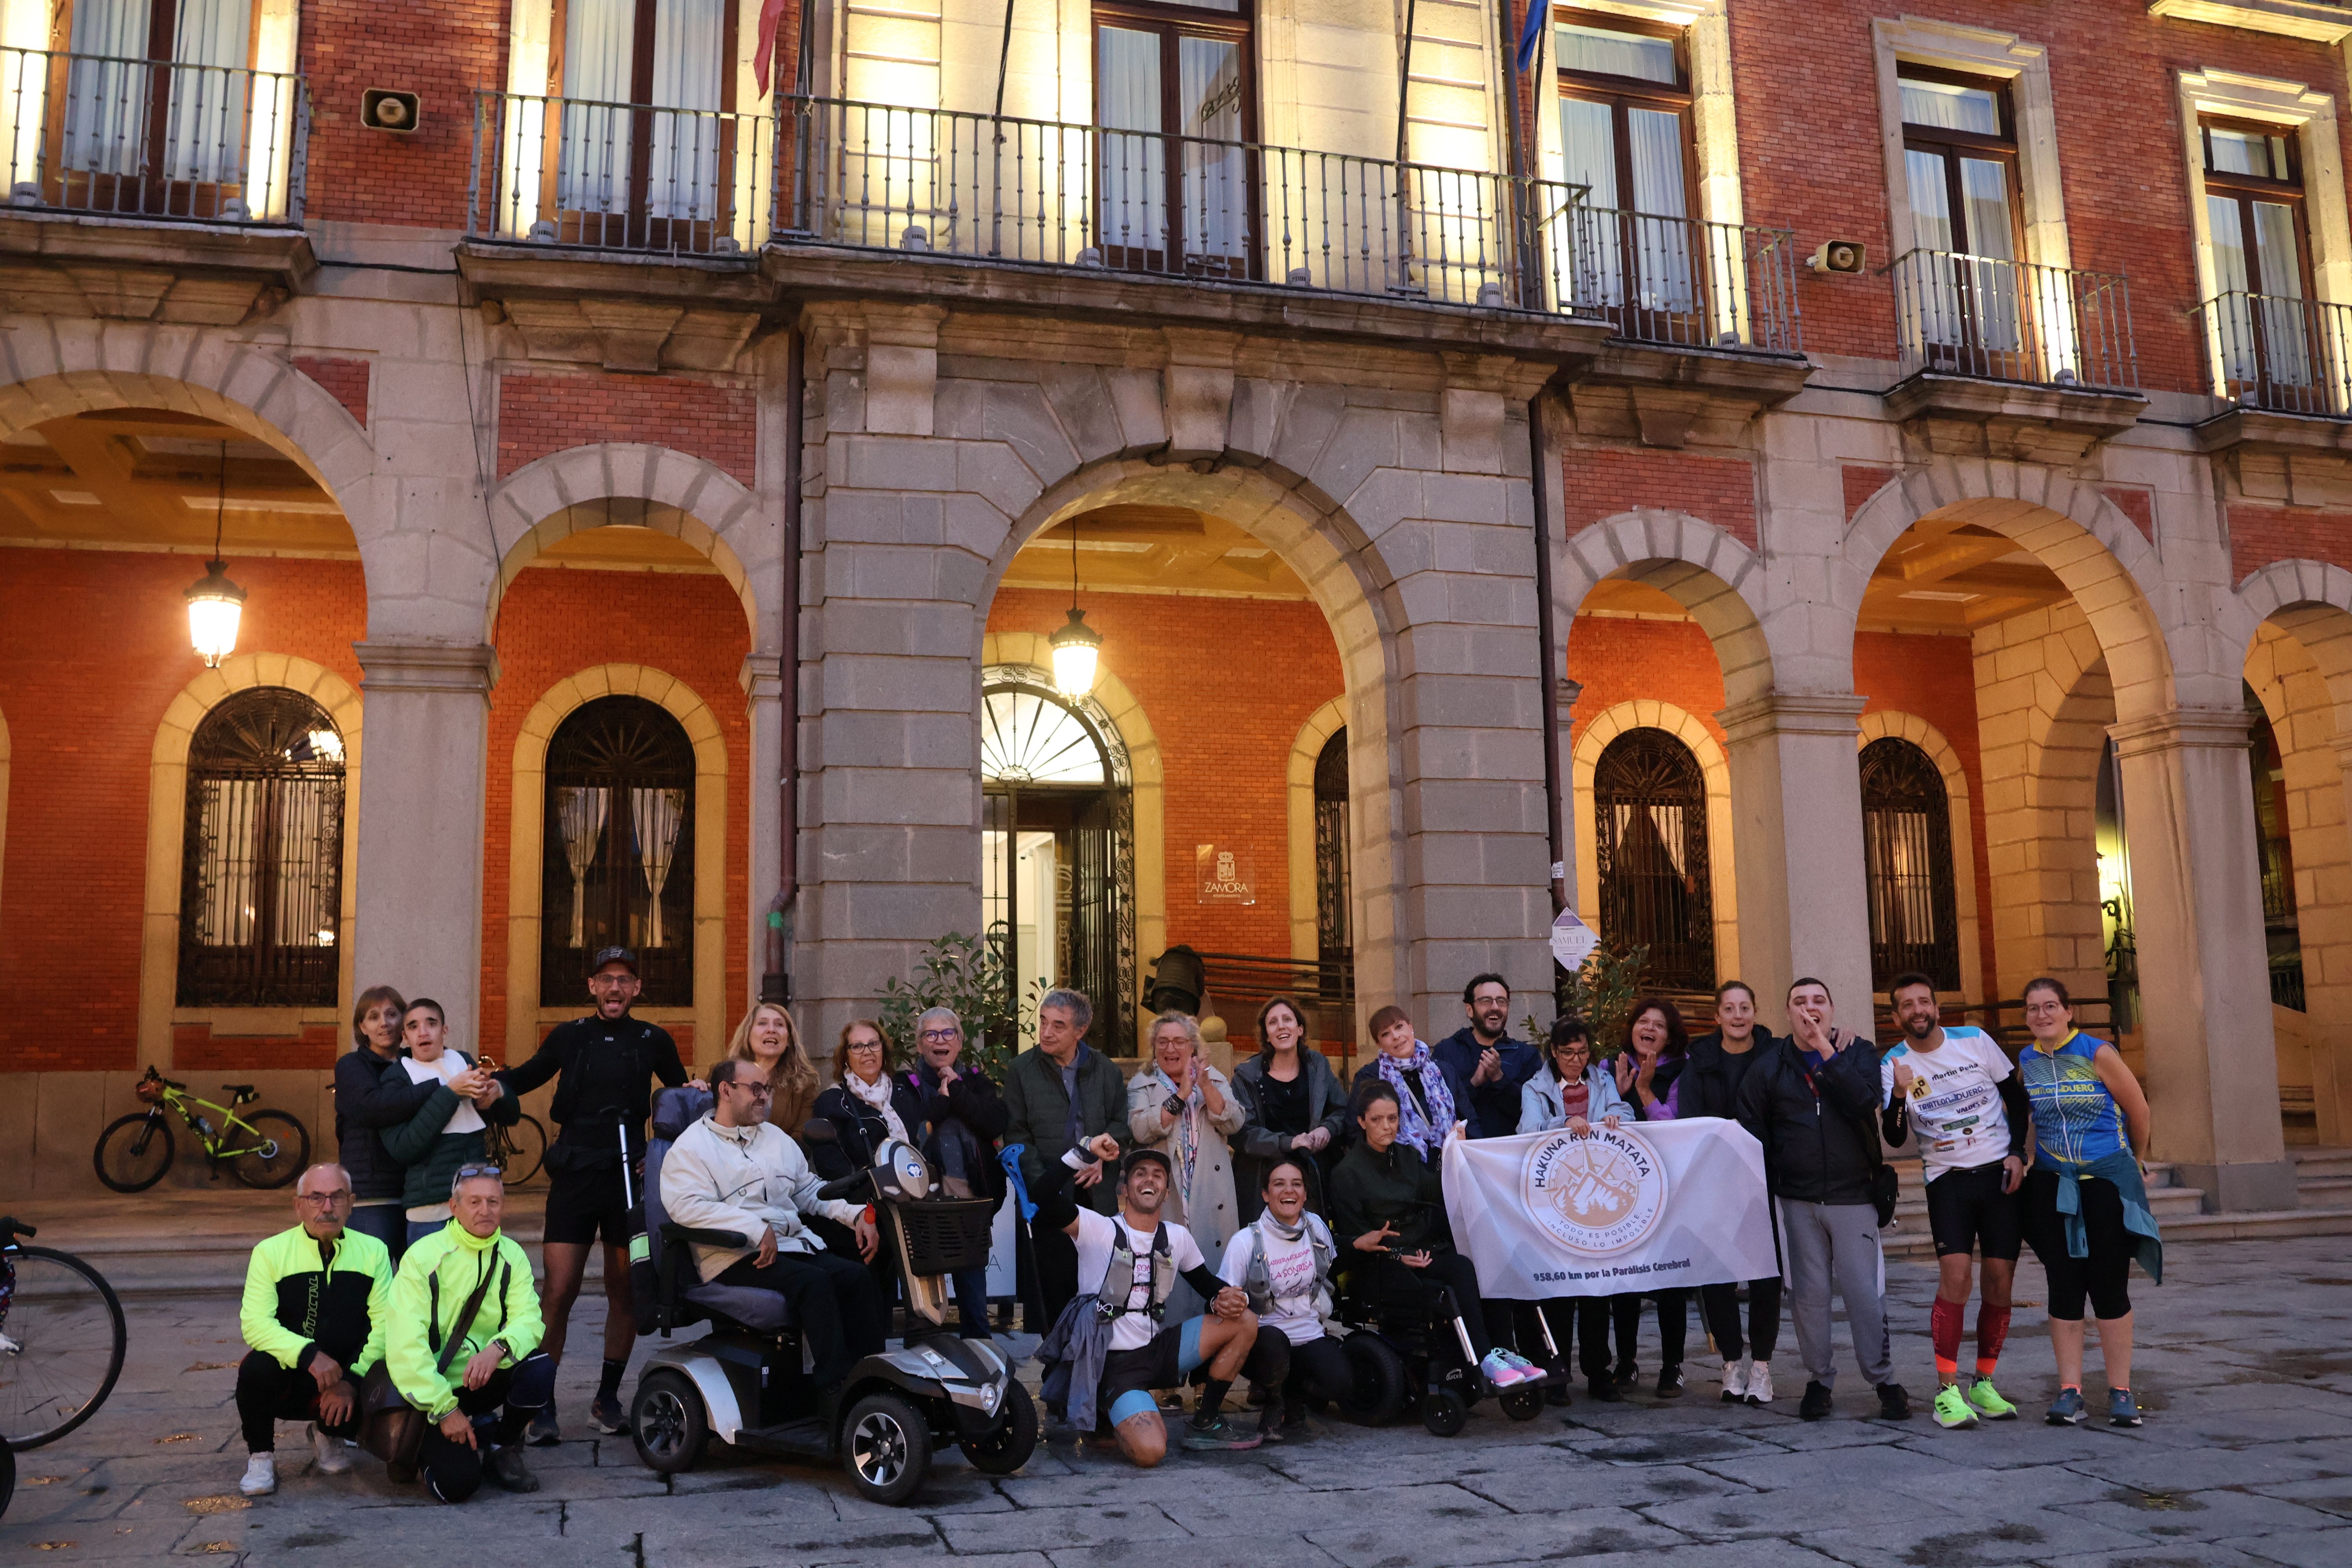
{"x": 1531, "y": 36}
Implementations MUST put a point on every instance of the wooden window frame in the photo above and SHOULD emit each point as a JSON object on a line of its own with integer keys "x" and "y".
{"x": 158, "y": 196}
{"x": 2247, "y": 189}
{"x": 1622, "y": 94}
{"x": 1173, "y": 22}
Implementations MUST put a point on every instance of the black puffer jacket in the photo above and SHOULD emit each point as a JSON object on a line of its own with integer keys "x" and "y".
{"x": 372, "y": 1094}
{"x": 1819, "y": 1148}
{"x": 1711, "y": 1076}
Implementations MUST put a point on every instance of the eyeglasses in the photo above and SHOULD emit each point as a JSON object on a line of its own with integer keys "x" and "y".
{"x": 756, "y": 1091}
{"x": 468, "y": 1172}
{"x": 942, "y": 1035}
{"x": 324, "y": 1200}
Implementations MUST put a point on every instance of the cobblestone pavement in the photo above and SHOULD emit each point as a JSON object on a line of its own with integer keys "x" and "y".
{"x": 2245, "y": 1368}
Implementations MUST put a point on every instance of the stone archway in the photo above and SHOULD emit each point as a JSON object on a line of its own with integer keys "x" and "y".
{"x": 1305, "y": 751}
{"x": 1714, "y": 766}
{"x": 1717, "y": 581}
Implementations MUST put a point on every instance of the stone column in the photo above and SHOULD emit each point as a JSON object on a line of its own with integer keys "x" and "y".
{"x": 1796, "y": 805}
{"x": 421, "y": 803}
{"x": 1565, "y": 691}
{"x": 2204, "y": 971}
{"x": 763, "y": 687}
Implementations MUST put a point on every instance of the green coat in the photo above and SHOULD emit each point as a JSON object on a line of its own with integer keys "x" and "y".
{"x": 303, "y": 1296}
{"x": 1039, "y": 1109}
{"x": 433, "y": 1157}
{"x": 436, "y": 1277}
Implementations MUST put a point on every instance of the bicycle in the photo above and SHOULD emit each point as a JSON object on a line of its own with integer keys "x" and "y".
{"x": 61, "y": 1340}
{"x": 518, "y": 1150}
{"x": 266, "y": 1149}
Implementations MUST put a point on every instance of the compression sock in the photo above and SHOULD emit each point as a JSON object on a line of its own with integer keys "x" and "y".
{"x": 1212, "y": 1401}
{"x": 610, "y": 1387}
{"x": 1992, "y": 1332}
{"x": 1944, "y": 1322}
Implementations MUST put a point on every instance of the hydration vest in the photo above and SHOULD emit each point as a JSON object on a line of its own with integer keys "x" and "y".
{"x": 1260, "y": 1287}
{"x": 1119, "y": 1278}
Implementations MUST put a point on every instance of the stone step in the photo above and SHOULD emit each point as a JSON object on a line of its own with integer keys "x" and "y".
{"x": 2310, "y": 1163}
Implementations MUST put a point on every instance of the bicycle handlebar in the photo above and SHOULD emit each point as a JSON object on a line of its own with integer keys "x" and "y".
{"x": 11, "y": 1229}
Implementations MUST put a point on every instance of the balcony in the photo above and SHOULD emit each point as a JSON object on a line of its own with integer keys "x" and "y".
{"x": 150, "y": 190}
{"x": 2284, "y": 366}
{"x": 2012, "y": 359}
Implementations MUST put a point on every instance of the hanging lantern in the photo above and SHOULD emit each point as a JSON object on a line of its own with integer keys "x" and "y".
{"x": 214, "y": 606}
{"x": 1077, "y": 647}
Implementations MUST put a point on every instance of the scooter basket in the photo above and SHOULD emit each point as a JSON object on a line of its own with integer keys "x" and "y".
{"x": 944, "y": 1235}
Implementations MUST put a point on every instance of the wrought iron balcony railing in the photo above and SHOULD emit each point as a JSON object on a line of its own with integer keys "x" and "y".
{"x": 152, "y": 139}
{"x": 2280, "y": 354}
{"x": 619, "y": 177}
{"x": 1994, "y": 320}
{"x": 1685, "y": 281}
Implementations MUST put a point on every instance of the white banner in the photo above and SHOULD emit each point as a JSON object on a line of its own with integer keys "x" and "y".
{"x": 1647, "y": 1206}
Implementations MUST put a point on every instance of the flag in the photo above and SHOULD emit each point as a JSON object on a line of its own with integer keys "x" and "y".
{"x": 764, "y": 54}
{"x": 1644, "y": 1206}
{"x": 1531, "y": 36}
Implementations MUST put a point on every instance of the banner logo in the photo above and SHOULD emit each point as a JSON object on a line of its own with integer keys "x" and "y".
{"x": 1596, "y": 1195}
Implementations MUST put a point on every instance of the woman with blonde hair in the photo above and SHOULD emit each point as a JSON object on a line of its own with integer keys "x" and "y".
{"x": 1183, "y": 1108}
{"x": 767, "y": 1035}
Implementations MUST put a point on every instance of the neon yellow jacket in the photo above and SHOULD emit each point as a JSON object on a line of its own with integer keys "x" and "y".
{"x": 303, "y": 1296}
{"x": 437, "y": 1275}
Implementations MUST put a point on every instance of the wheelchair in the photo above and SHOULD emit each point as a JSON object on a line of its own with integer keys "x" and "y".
{"x": 746, "y": 1379}
{"x": 1405, "y": 1359}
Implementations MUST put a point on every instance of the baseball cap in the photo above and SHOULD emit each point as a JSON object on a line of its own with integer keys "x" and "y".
{"x": 605, "y": 956}
{"x": 1138, "y": 1156}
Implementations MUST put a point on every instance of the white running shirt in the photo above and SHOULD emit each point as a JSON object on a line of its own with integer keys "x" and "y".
{"x": 1955, "y": 1104}
{"x": 1289, "y": 1278}
{"x": 1098, "y": 1234}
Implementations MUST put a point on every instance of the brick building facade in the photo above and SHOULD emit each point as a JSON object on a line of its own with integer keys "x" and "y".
{"x": 647, "y": 512}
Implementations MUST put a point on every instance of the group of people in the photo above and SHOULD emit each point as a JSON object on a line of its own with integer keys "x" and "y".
{"x": 1180, "y": 1224}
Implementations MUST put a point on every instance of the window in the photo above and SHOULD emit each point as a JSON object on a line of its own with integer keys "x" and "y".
{"x": 619, "y": 856}
{"x": 1959, "y": 157}
{"x": 1176, "y": 192}
{"x": 1625, "y": 133}
{"x": 1906, "y": 858}
{"x": 1057, "y": 850}
{"x": 157, "y": 112}
{"x": 2281, "y": 927}
{"x": 261, "y": 885}
{"x": 1649, "y": 807}
{"x": 2262, "y": 261}
{"x": 648, "y": 90}
{"x": 1334, "y": 946}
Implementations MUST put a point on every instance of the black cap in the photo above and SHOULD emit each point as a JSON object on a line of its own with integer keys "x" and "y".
{"x": 1137, "y": 1156}
{"x": 605, "y": 956}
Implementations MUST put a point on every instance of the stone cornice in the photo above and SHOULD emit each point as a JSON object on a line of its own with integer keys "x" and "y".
{"x": 2181, "y": 729}
{"x": 436, "y": 668}
{"x": 1793, "y": 713}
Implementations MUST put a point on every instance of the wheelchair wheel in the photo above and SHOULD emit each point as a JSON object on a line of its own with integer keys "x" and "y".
{"x": 887, "y": 1447}
{"x": 1522, "y": 1401}
{"x": 1005, "y": 1450}
{"x": 668, "y": 1423}
{"x": 1444, "y": 1412}
{"x": 1376, "y": 1393}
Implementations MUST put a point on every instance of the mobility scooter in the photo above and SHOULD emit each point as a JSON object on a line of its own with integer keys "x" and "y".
{"x": 745, "y": 1381}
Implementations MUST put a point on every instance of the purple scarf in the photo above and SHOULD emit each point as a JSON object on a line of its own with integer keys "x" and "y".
{"x": 1423, "y": 1132}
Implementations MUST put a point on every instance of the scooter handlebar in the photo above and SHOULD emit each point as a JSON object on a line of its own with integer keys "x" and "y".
{"x": 842, "y": 1187}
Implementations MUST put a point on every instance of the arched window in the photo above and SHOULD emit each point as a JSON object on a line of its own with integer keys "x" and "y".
{"x": 1649, "y": 808}
{"x": 1058, "y": 876}
{"x": 1906, "y": 859}
{"x": 261, "y": 882}
{"x": 619, "y": 863}
{"x": 1334, "y": 943}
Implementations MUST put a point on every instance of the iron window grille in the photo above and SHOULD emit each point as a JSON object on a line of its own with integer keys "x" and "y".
{"x": 619, "y": 859}
{"x": 1649, "y": 806}
{"x": 1906, "y": 848}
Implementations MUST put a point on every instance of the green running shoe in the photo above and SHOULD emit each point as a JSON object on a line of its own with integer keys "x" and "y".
{"x": 1987, "y": 1402}
{"x": 1951, "y": 1409}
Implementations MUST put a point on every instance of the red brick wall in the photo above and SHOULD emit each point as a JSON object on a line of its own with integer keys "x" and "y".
{"x": 2135, "y": 503}
{"x": 1622, "y": 660}
{"x": 347, "y": 379}
{"x": 1225, "y": 725}
{"x": 542, "y": 414}
{"x": 1602, "y": 481}
{"x": 1861, "y": 484}
{"x": 93, "y": 649}
{"x": 555, "y": 623}
{"x": 2262, "y": 534}
{"x": 1812, "y": 159}
{"x": 440, "y": 49}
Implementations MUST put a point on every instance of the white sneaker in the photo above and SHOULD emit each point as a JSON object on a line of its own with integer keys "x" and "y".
{"x": 327, "y": 1453}
{"x": 260, "y": 1476}
{"x": 1735, "y": 1381}
{"x": 1498, "y": 1371}
{"x": 1759, "y": 1384}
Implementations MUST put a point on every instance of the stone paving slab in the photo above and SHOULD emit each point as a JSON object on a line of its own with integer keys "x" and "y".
{"x": 2245, "y": 1462}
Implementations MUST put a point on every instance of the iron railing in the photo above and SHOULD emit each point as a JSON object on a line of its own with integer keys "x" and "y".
{"x": 1688, "y": 283}
{"x": 154, "y": 138}
{"x": 619, "y": 177}
{"x": 1994, "y": 320}
{"x": 2280, "y": 354}
{"x": 1001, "y": 188}
{"x": 1239, "y": 983}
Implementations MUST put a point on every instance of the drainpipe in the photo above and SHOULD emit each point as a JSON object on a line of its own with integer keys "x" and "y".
{"x": 776, "y": 983}
{"x": 1548, "y": 637}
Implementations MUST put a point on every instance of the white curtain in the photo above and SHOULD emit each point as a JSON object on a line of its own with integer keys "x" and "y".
{"x": 1134, "y": 215}
{"x": 1588, "y": 140}
{"x": 1216, "y": 179}
{"x": 599, "y": 54}
{"x": 308, "y": 843}
{"x": 657, "y": 813}
{"x": 1662, "y": 239}
{"x": 580, "y": 814}
{"x": 230, "y": 812}
{"x": 689, "y": 54}
{"x": 106, "y": 104}
{"x": 203, "y": 139}
{"x": 2281, "y": 261}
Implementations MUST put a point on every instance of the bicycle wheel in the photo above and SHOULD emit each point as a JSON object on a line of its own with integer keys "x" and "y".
{"x": 526, "y": 1149}
{"x": 134, "y": 1151}
{"x": 278, "y": 1151}
{"x": 61, "y": 1340}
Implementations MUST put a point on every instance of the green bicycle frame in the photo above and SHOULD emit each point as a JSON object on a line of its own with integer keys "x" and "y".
{"x": 216, "y": 1145}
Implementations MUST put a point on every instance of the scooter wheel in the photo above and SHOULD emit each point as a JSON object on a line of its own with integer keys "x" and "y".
{"x": 668, "y": 1423}
{"x": 1007, "y": 1449}
{"x": 1444, "y": 1412}
{"x": 886, "y": 1444}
